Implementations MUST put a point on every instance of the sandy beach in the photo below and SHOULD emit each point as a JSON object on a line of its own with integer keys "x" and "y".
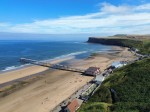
{"x": 55, "y": 86}
{"x": 26, "y": 71}
{"x": 103, "y": 60}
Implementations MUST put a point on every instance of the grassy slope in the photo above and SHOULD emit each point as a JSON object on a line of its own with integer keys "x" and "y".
{"x": 132, "y": 91}
{"x": 146, "y": 47}
{"x": 142, "y": 45}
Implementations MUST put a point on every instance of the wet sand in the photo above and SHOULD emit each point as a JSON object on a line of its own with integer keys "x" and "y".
{"x": 103, "y": 60}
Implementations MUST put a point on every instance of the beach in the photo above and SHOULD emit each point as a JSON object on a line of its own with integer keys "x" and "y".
{"x": 26, "y": 71}
{"x": 54, "y": 86}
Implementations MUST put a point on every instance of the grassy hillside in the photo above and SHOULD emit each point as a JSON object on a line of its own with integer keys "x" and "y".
{"x": 126, "y": 90}
{"x": 145, "y": 49}
{"x": 142, "y": 45}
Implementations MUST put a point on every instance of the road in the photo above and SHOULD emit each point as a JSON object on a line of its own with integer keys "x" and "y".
{"x": 73, "y": 96}
{"x": 77, "y": 94}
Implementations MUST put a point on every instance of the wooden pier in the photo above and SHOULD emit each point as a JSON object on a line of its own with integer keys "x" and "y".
{"x": 53, "y": 66}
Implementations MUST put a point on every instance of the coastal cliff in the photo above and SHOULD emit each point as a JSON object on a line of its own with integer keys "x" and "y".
{"x": 142, "y": 44}
{"x": 114, "y": 41}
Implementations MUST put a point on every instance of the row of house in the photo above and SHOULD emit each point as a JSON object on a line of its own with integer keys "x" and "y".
{"x": 91, "y": 71}
{"x": 74, "y": 104}
{"x": 94, "y": 71}
{"x": 118, "y": 64}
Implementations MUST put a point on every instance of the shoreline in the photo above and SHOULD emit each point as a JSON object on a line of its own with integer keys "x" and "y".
{"x": 30, "y": 69}
{"x": 75, "y": 54}
{"x": 42, "y": 93}
{"x": 56, "y": 60}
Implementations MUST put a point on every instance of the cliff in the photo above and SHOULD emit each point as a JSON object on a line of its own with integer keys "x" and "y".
{"x": 141, "y": 44}
{"x": 115, "y": 41}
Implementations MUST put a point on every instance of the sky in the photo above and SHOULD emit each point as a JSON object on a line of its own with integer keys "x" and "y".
{"x": 106, "y": 17}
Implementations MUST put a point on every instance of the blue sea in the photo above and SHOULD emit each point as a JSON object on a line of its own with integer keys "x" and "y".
{"x": 12, "y": 51}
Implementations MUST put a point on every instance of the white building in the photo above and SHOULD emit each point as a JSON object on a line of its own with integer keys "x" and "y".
{"x": 118, "y": 64}
{"x": 99, "y": 78}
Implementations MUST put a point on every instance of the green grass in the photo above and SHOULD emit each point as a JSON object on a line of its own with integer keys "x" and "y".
{"x": 145, "y": 49}
{"x": 142, "y": 45}
{"x": 94, "y": 107}
{"x": 132, "y": 90}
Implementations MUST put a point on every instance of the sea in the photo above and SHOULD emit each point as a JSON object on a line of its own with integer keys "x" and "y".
{"x": 12, "y": 51}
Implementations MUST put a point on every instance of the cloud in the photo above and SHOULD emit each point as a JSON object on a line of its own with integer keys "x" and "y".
{"x": 4, "y": 24}
{"x": 109, "y": 8}
{"x": 110, "y": 19}
{"x": 145, "y": 7}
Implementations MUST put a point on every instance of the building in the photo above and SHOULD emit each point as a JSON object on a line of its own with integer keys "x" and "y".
{"x": 93, "y": 71}
{"x": 118, "y": 64}
{"x": 100, "y": 78}
{"x": 86, "y": 94}
{"x": 134, "y": 49}
{"x": 72, "y": 106}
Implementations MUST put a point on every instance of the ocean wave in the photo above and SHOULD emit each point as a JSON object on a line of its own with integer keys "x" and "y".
{"x": 9, "y": 68}
{"x": 67, "y": 55}
{"x": 74, "y": 54}
{"x": 14, "y": 67}
{"x": 59, "y": 57}
{"x": 77, "y": 42}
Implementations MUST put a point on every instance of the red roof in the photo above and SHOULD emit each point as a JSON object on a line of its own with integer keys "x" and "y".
{"x": 73, "y": 106}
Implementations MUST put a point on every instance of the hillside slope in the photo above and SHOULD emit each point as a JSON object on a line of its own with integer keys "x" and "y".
{"x": 126, "y": 90}
{"x": 142, "y": 45}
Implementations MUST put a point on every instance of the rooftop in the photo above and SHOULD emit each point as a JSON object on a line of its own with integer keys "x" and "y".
{"x": 118, "y": 64}
{"x": 73, "y": 106}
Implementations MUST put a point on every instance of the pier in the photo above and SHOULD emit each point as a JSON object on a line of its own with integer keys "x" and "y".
{"x": 53, "y": 66}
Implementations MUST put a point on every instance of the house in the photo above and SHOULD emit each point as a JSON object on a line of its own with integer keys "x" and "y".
{"x": 118, "y": 64}
{"x": 100, "y": 77}
{"x": 72, "y": 106}
{"x": 93, "y": 71}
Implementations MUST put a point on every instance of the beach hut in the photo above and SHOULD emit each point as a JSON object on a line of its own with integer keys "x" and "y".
{"x": 72, "y": 106}
{"x": 118, "y": 64}
{"x": 99, "y": 78}
{"x": 93, "y": 71}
